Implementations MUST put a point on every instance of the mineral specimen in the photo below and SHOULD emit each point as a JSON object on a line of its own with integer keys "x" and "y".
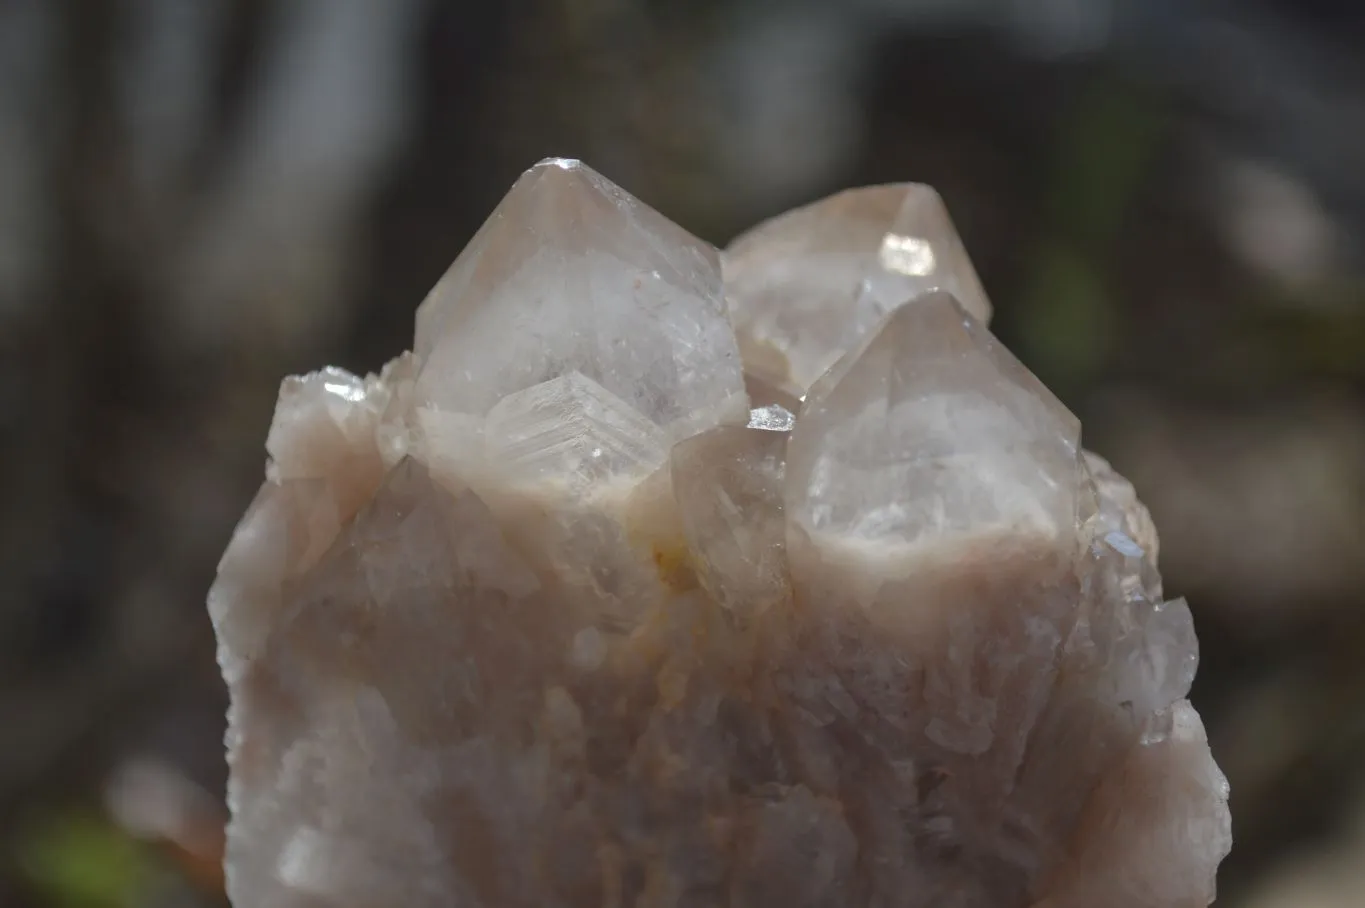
{"x": 547, "y": 615}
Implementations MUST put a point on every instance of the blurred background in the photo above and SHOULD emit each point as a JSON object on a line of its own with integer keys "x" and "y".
{"x": 1165, "y": 199}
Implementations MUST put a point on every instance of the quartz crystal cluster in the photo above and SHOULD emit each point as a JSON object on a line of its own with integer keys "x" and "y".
{"x": 657, "y": 577}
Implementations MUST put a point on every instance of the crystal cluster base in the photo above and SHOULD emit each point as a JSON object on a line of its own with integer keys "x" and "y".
{"x": 657, "y": 577}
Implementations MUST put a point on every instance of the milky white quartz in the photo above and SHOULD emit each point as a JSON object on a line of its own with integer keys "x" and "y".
{"x": 547, "y": 614}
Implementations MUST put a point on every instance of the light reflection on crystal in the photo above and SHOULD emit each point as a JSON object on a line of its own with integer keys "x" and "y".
{"x": 906, "y": 255}
{"x": 772, "y": 418}
{"x": 346, "y": 392}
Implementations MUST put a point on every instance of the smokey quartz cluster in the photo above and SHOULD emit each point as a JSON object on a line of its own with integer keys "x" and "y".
{"x": 656, "y": 577}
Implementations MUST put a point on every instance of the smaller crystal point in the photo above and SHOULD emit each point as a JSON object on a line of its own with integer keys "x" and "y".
{"x": 320, "y": 420}
{"x": 922, "y": 251}
{"x": 728, "y": 485}
{"x": 804, "y": 287}
{"x": 932, "y": 428}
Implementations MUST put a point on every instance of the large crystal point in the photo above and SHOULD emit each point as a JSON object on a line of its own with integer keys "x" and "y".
{"x": 572, "y": 274}
{"x": 546, "y": 614}
{"x": 807, "y": 285}
{"x": 931, "y": 429}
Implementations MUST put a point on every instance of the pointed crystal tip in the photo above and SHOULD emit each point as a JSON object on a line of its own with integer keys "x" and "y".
{"x": 572, "y": 275}
{"x": 932, "y": 428}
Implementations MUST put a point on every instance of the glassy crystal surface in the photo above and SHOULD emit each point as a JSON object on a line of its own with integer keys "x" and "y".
{"x": 728, "y": 484}
{"x": 572, "y": 274}
{"x": 807, "y": 285}
{"x": 570, "y": 429}
{"x": 547, "y": 613}
{"x": 932, "y": 428}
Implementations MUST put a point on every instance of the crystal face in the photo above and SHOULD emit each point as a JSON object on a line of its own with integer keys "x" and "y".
{"x": 571, "y": 607}
{"x": 571, "y": 427}
{"x": 806, "y": 286}
{"x": 932, "y": 428}
{"x": 571, "y": 273}
{"x": 728, "y": 485}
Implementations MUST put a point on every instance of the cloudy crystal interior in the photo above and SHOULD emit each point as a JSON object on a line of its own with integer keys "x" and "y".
{"x": 656, "y": 576}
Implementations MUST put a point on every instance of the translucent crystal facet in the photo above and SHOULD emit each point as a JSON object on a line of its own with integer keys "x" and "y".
{"x": 807, "y": 285}
{"x": 1120, "y": 509}
{"x": 932, "y": 428}
{"x": 570, "y": 428}
{"x": 573, "y": 274}
{"x": 547, "y": 613}
{"x": 728, "y": 484}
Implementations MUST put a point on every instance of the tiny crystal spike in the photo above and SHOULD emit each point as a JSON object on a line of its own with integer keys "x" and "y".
{"x": 573, "y": 274}
{"x": 804, "y": 287}
{"x": 921, "y": 252}
{"x": 932, "y": 428}
{"x": 728, "y": 484}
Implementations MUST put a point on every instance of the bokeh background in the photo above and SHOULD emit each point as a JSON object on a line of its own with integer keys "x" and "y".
{"x": 1165, "y": 198}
